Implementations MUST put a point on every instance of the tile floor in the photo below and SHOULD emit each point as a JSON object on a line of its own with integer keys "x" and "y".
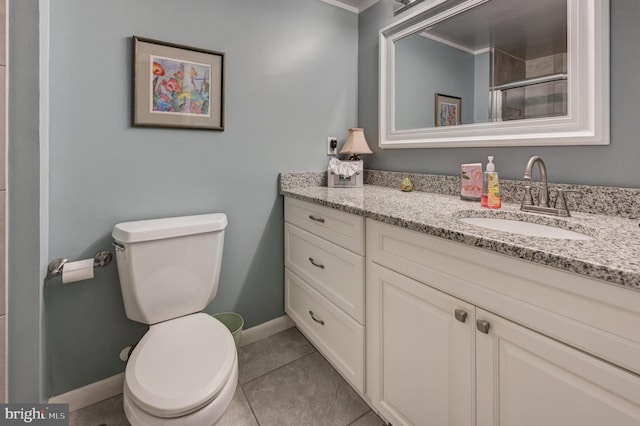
{"x": 283, "y": 380}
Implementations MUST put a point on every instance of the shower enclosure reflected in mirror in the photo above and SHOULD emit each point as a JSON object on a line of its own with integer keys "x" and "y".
{"x": 526, "y": 72}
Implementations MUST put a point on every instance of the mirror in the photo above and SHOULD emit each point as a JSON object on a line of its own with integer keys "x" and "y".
{"x": 496, "y": 73}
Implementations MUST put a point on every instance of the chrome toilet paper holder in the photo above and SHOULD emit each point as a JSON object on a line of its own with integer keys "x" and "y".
{"x": 101, "y": 259}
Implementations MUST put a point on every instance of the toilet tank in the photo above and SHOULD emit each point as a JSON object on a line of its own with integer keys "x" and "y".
{"x": 169, "y": 267}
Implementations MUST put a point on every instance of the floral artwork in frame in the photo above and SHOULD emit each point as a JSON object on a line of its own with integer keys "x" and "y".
{"x": 177, "y": 86}
{"x": 447, "y": 110}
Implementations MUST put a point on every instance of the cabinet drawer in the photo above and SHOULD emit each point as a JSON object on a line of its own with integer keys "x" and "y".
{"x": 335, "y": 334}
{"x": 344, "y": 229}
{"x": 336, "y": 273}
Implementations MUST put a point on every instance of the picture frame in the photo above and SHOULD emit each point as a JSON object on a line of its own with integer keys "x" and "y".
{"x": 177, "y": 86}
{"x": 447, "y": 110}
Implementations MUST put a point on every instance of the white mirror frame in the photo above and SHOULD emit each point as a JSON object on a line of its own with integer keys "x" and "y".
{"x": 587, "y": 122}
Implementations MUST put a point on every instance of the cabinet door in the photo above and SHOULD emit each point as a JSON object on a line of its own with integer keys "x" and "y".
{"x": 420, "y": 357}
{"x": 527, "y": 379}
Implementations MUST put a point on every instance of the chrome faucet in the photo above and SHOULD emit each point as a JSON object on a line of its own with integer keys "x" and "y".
{"x": 560, "y": 208}
{"x": 543, "y": 191}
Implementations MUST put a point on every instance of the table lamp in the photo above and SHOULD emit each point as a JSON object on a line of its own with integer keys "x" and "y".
{"x": 356, "y": 144}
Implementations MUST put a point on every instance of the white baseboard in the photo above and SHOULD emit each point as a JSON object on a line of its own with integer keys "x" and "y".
{"x": 91, "y": 393}
{"x": 265, "y": 329}
{"x": 112, "y": 386}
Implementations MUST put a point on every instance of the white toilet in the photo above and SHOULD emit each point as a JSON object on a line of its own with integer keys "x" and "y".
{"x": 184, "y": 370}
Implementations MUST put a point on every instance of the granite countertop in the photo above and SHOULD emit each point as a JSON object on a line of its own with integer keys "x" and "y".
{"x": 612, "y": 255}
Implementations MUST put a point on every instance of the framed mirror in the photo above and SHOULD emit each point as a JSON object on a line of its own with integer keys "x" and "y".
{"x": 474, "y": 73}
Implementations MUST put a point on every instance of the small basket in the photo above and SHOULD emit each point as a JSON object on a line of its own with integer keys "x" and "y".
{"x": 234, "y": 322}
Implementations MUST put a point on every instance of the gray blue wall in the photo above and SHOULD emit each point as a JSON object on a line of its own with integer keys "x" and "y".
{"x": 612, "y": 165}
{"x": 25, "y": 236}
{"x": 291, "y": 81}
{"x": 425, "y": 67}
{"x": 481, "y": 98}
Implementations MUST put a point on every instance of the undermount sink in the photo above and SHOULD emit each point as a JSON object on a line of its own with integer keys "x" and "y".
{"x": 525, "y": 228}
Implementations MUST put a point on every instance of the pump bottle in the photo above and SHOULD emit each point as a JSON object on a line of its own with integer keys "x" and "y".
{"x": 490, "y": 196}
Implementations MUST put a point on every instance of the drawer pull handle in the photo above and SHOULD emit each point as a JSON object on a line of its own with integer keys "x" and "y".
{"x": 315, "y": 319}
{"x": 483, "y": 326}
{"x": 316, "y": 264}
{"x": 461, "y": 315}
{"x": 316, "y": 219}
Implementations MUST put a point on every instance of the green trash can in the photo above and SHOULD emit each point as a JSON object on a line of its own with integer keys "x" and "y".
{"x": 234, "y": 322}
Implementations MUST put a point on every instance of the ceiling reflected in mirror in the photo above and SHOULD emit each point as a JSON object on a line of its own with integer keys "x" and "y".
{"x": 525, "y": 29}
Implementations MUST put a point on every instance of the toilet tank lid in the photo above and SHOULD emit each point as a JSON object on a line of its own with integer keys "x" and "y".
{"x": 157, "y": 229}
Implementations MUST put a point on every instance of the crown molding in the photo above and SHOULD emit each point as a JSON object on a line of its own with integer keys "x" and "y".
{"x": 354, "y": 6}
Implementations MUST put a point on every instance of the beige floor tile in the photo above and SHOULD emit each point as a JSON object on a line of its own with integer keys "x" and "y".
{"x": 369, "y": 419}
{"x": 239, "y": 412}
{"x": 108, "y": 412}
{"x": 305, "y": 392}
{"x": 266, "y": 355}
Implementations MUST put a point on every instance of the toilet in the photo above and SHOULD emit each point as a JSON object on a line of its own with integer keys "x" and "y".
{"x": 184, "y": 370}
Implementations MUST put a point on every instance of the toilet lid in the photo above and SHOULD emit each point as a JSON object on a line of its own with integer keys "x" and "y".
{"x": 180, "y": 365}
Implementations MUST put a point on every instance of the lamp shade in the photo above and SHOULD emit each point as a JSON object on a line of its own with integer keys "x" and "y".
{"x": 356, "y": 143}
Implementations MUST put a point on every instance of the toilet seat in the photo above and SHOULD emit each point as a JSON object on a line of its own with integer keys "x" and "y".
{"x": 180, "y": 365}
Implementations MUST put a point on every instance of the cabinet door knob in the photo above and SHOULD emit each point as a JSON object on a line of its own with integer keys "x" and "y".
{"x": 321, "y": 322}
{"x": 316, "y": 219}
{"x": 483, "y": 326}
{"x": 461, "y": 315}
{"x": 316, "y": 264}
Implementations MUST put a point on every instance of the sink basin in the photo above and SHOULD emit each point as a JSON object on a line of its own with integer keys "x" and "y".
{"x": 525, "y": 228}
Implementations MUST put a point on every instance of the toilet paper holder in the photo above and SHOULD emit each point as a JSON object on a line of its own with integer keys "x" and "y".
{"x": 101, "y": 259}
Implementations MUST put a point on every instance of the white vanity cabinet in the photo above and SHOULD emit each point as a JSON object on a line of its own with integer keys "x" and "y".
{"x": 324, "y": 283}
{"x": 535, "y": 346}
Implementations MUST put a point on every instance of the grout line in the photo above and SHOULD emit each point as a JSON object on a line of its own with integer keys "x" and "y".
{"x": 283, "y": 365}
{"x": 253, "y": 413}
{"x": 367, "y": 412}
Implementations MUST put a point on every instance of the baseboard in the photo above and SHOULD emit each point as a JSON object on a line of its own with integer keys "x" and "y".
{"x": 91, "y": 393}
{"x": 265, "y": 329}
{"x": 112, "y": 386}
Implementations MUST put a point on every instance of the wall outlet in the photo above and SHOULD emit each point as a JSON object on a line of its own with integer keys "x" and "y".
{"x": 332, "y": 145}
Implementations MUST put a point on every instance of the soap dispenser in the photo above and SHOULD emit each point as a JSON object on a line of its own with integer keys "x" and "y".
{"x": 490, "y": 196}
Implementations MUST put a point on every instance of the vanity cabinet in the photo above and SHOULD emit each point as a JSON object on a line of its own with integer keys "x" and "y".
{"x": 462, "y": 336}
{"x": 324, "y": 283}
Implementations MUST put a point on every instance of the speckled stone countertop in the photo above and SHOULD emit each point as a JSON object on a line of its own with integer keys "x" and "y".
{"x": 612, "y": 255}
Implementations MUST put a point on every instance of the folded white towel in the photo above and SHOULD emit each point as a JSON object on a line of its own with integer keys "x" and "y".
{"x": 343, "y": 168}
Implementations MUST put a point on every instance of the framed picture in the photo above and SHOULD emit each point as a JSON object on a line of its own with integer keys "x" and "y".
{"x": 447, "y": 110}
{"x": 177, "y": 86}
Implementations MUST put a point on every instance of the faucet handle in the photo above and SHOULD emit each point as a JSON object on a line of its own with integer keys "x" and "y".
{"x": 527, "y": 200}
{"x": 561, "y": 201}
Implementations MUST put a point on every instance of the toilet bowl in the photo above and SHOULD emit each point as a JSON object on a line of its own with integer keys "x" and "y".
{"x": 184, "y": 370}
